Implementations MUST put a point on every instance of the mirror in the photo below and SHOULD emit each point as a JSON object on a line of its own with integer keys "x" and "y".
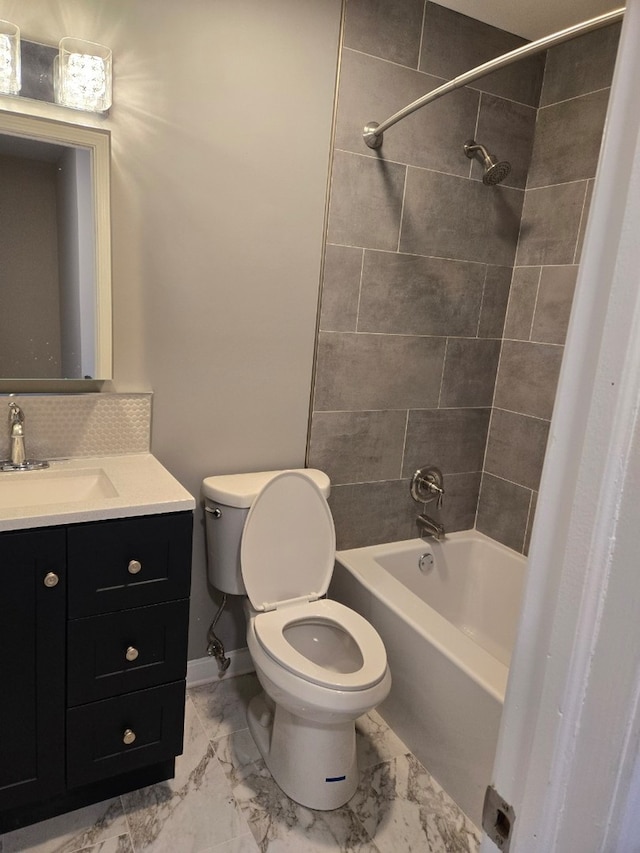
{"x": 55, "y": 246}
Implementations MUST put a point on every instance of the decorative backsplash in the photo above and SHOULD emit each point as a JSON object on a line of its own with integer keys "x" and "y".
{"x": 58, "y": 426}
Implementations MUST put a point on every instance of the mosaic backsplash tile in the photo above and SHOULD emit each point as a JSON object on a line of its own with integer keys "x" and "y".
{"x": 58, "y": 426}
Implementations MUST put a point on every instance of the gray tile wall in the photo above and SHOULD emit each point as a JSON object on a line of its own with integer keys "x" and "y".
{"x": 567, "y": 140}
{"x": 417, "y": 267}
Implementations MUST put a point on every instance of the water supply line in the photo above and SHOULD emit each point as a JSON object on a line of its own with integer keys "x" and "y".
{"x": 215, "y": 648}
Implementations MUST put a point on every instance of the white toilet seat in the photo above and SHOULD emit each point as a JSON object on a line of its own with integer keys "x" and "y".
{"x": 269, "y": 630}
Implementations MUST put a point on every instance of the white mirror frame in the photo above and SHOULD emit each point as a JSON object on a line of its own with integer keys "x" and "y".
{"x": 98, "y": 143}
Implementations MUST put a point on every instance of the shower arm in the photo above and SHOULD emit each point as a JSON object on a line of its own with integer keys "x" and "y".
{"x": 373, "y": 131}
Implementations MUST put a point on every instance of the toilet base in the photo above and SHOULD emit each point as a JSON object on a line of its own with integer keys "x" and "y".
{"x": 314, "y": 763}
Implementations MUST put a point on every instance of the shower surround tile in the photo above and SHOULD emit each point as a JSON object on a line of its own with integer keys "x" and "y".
{"x": 372, "y": 90}
{"x": 341, "y": 288}
{"x": 354, "y": 447}
{"x": 522, "y": 303}
{"x": 554, "y": 161}
{"x": 455, "y": 437}
{"x": 371, "y": 513}
{"x": 495, "y": 298}
{"x": 432, "y": 296}
{"x": 474, "y": 222}
{"x": 388, "y": 28}
{"x": 503, "y": 511}
{"x": 506, "y": 129}
{"x": 366, "y": 372}
{"x": 366, "y": 202}
{"x": 550, "y": 224}
{"x": 516, "y": 447}
{"x": 553, "y": 307}
{"x": 527, "y": 378}
{"x": 469, "y": 372}
{"x": 453, "y": 43}
{"x": 581, "y": 65}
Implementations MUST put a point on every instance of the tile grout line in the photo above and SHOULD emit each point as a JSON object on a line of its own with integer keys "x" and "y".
{"x": 444, "y": 361}
{"x": 535, "y": 306}
{"x": 444, "y": 79}
{"x": 424, "y": 18}
{"x": 574, "y": 97}
{"x": 484, "y": 286}
{"x": 582, "y": 212}
{"x": 529, "y": 519}
{"x": 404, "y": 194}
{"x": 360, "y": 289}
{"x": 404, "y": 443}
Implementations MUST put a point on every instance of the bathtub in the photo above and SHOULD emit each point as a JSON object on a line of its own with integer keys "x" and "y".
{"x": 447, "y": 613}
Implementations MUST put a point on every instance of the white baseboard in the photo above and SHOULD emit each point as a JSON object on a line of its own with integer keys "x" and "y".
{"x": 205, "y": 670}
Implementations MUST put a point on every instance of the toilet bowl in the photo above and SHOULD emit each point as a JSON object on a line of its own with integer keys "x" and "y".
{"x": 320, "y": 664}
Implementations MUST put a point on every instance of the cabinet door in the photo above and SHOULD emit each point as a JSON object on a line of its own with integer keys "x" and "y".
{"x": 32, "y": 668}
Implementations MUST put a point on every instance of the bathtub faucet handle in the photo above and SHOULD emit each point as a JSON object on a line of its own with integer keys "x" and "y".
{"x": 427, "y": 485}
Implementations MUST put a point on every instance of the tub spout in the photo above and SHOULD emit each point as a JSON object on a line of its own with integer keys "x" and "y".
{"x": 430, "y": 528}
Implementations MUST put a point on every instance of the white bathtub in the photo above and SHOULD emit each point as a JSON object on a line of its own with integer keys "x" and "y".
{"x": 449, "y": 632}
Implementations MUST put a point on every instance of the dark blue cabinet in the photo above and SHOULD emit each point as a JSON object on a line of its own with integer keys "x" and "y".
{"x": 32, "y": 664}
{"x": 93, "y": 649}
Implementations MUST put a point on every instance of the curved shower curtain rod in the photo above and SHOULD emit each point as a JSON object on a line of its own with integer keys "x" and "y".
{"x": 373, "y": 131}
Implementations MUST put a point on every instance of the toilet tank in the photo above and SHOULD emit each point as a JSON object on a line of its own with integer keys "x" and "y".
{"x": 227, "y": 500}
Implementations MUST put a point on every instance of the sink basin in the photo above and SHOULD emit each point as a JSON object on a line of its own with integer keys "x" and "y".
{"x": 42, "y": 488}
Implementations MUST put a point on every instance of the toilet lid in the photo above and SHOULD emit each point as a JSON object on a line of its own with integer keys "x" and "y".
{"x": 288, "y": 543}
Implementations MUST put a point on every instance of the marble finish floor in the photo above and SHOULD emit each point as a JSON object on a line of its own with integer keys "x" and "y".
{"x": 223, "y": 799}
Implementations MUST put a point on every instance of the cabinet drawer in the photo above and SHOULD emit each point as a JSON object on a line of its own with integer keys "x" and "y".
{"x": 119, "y": 652}
{"x": 116, "y": 565}
{"x": 117, "y": 735}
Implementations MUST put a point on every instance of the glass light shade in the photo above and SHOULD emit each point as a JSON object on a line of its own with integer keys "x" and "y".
{"x": 82, "y": 76}
{"x": 10, "y": 78}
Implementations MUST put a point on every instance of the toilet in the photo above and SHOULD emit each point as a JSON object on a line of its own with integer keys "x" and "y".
{"x": 270, "y": 537}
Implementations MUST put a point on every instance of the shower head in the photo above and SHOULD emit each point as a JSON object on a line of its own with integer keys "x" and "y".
{"x": 494, "y": 171}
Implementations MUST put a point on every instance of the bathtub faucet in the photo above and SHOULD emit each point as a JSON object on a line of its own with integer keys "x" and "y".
{"x": 429, "y": 527}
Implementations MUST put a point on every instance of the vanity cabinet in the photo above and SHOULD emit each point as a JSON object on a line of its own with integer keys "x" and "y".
{"x": 93, "y": 650}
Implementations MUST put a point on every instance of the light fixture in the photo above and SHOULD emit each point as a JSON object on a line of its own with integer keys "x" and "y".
{"x": 10, "y": 78}
{"x": 82, "y": 75}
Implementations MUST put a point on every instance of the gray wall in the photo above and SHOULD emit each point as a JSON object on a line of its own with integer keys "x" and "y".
{"x": 220, "y": 128}
{"x": 565, "y": 155}
{"x": 418, "y": 265}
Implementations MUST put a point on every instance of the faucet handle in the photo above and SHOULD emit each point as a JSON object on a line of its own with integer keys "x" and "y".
{"x": 16, "y": 415}
{"x": 427, "y": 485}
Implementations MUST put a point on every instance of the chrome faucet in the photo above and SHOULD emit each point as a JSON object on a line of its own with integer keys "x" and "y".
{"x": 18, "y": 458}
{"x": 427, "y": 485}
{"x": 16, "y": 434}
{"x": 429, "y": 527}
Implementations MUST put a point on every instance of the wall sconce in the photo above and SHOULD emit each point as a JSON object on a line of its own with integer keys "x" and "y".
{"x": 10, "y": 78}
{"x": 82, "y": 75}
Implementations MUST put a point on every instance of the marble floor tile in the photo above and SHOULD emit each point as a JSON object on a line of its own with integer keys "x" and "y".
{"x": 121, "y": 844}
{"x": 278, "y": 823}
{"x": 222, "y": 705}
{"x": 242, "y": 844}
{"x": 376, "y": 742}
{"x": 192, "y": 812}
{"x": 71, "y": 832}
{"x": 403, "y": 808}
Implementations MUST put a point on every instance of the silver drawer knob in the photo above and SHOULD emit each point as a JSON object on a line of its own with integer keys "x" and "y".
{"x": 131, "y": 653}
{"x": 134, "y": 567}
{"x": 51, "y": 579}
{"x": 129, "y": 736}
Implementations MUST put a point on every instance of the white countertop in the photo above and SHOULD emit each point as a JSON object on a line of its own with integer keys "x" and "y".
{"x": 115, "y": 486}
